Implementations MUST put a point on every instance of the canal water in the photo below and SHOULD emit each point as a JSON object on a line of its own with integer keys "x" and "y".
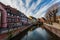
{"x": 38, "y": 34}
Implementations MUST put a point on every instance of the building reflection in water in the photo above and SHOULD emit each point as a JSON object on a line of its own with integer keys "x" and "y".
{"x": 37, "y": 34}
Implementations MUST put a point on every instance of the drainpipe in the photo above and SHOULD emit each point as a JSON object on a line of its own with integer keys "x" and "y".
{"x": 3, "y": 17}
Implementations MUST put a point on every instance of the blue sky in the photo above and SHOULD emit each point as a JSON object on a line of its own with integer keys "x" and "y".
{"x": 36, "y": 8}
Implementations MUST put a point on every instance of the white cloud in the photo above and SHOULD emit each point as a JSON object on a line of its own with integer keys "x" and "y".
{"x": 20, "y": 6}
{"x": 27, "y": 3}
{"x": 13, "y": 4}
{"x": 7, "y": 2}
{"x": 38, "y": 2}
{"x": 28, "y": 12}
{"x": 40, "y": 12}
{"x": 30, "y": 9}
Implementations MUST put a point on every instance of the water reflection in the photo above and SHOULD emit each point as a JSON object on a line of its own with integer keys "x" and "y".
{"x": 37, "y": 34}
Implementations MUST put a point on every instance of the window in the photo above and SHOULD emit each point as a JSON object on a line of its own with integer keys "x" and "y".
{"x": 12, "y": 15}
{"x": 12, "y": 20}
{"x": 9, "y": 19}
{"x": 17, "y": 16}
{"x": 8, "y": 14}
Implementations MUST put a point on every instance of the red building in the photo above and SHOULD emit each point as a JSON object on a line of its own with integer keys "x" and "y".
{"x": 11, "y": 18}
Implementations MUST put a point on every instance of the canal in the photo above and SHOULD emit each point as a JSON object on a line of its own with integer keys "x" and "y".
{"x": 39, "y": 34}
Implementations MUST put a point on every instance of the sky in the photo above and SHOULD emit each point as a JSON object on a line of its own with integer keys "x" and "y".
{"x": 36, "y": 8}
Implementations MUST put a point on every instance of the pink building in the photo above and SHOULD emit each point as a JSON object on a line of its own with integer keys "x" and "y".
{"x": 3, "y": 15}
